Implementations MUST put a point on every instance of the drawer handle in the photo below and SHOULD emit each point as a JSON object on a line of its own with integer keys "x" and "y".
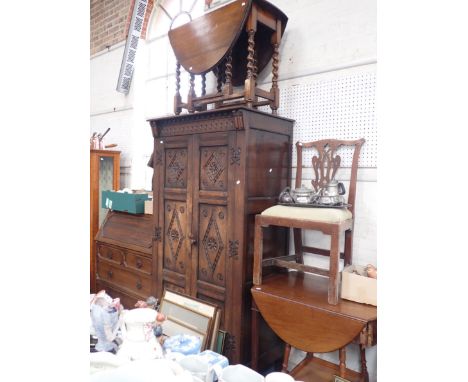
{"x": 139, "y": 263}
{"x": 110, "y": 255}
{"x": 139, "y": 285}
{"x": 110, "y": 274}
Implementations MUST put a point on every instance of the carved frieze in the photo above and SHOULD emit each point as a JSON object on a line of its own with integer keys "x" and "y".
{"x": 158, "y": 159}
{"x": 157, "y": 234}
{"x": 229, "y": 345}
{"x": 198, "y": 123}
{"x": 235, "y": 155}
{"x": 233, "y": 248}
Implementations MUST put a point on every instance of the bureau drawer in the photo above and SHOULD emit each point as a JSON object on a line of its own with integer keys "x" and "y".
{"x": 136, "y": 261}
{"x": 111, "y": 254}
{"x": 124, "y": 279}
{"x": 127, "y": 299}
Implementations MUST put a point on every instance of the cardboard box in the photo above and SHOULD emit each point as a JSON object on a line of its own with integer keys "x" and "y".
{"x": 124, "y": 201}
{"x": 356, "y": 287}
{"x": 149, "y": 207}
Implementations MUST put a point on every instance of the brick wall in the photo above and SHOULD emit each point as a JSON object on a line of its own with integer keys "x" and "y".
{"x": 149, "y": 9}
{"x": 110, "y": 20}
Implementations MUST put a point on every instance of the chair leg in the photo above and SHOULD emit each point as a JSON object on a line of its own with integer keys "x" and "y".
{"x": 334, "y": 268}
{"x": 258, "y": 251}
{"x": 298, "y": 245}
{"x": 287, "y": 351}
{"x": 348, "y": 247}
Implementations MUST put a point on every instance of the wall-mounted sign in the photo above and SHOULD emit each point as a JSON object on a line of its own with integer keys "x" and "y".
{"x": 128, "y": 59}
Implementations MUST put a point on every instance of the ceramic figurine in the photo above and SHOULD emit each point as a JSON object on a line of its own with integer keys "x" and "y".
{"x": 152, "y": 303}
{"x": 139, "y": 341}
{"x": 371, "y": 271}
{"x": 105, "y": 313}
{"x": 157, "y": 327}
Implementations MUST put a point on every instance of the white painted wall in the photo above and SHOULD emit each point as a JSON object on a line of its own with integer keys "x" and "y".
{"x": 324, "y": 39}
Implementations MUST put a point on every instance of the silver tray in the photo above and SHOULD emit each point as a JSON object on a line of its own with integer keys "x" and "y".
{"x": 316, "y": 205}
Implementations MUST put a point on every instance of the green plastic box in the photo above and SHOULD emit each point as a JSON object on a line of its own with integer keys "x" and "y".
{"x": 124, "y": 201}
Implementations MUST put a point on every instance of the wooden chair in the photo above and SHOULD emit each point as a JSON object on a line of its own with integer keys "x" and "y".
{"x": 330, "y": 221}
{"x": 301, "y": 307}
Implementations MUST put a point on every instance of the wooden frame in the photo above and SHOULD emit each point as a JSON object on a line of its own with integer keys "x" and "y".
{"x": 94, "y": 201}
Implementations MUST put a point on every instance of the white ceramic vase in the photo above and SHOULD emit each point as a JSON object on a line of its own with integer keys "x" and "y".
{"x": 139, "y": 342}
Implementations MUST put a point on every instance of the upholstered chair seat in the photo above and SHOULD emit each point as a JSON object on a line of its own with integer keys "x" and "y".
{"x": 325, "y": 215}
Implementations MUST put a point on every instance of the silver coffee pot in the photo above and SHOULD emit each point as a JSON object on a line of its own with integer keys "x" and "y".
{"x": 331, "y": 193}
{"x": 334, "y": 188}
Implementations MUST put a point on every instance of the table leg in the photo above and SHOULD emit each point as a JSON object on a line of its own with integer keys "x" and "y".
{"x": 287, "y": 351}
{"x": 254, "y": 339}
{"x": 342, "y": 362}
{"x": 364, "y": 372}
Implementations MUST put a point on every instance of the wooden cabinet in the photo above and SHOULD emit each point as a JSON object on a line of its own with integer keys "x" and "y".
{"x": 124, "y": 263}
{"x": 214, "y": 171}
{"x": 104, "y": 175}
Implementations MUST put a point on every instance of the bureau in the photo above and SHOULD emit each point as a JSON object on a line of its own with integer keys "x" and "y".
{"x": 124, "y": 264}
{"x": 213, "y": 171}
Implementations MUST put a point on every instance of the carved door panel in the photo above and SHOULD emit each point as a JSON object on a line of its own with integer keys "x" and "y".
{"x": 174, "y": 224}
{"x": 212, "y": 248}
{"x": 212, "y": 222}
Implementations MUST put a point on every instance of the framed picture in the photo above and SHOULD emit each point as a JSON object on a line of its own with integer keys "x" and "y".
{"x": 214, "y": 334}
{"x": 221, "y": 336}
{"x": 190, "y": 303}
{"x": 186, "y": 315}
{"x": 172, "y": 327}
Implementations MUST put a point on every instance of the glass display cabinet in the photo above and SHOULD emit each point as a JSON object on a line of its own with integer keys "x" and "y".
{"x": 104, "y": 175}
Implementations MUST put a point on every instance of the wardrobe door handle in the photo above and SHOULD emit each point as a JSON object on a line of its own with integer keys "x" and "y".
{"x": 192, "y": 239}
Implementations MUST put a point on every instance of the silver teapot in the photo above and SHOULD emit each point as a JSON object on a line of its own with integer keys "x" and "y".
{"x": 300, "y": 195}
{"x": 332, "y": 193}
